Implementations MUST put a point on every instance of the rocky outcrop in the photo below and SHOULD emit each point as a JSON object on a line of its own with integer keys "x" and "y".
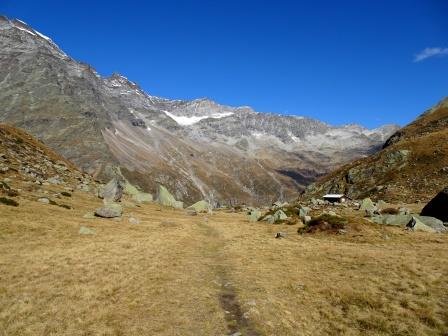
{"x": 438, "y": 206}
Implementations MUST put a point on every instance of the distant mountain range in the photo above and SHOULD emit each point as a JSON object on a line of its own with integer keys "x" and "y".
{"x": 197, "y": 149}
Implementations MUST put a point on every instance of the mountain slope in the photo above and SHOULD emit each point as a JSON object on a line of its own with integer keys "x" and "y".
{"x": 198, "y": 149}
{"x": 412, "y": 166}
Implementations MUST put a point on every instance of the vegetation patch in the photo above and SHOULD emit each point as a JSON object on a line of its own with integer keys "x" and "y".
{"x": 325, "y": 223}
{"x": 19, "y": 141}
{"x": 65, "y": 206}
{"x": 66, "y": 194}
{"x": 8, "y": 201}
{"x": 390, "y": 211}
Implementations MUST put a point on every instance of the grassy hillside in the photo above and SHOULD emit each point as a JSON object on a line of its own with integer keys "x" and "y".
{"x": 412, "y": 166}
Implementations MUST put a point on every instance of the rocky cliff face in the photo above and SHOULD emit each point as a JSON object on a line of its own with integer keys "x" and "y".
{"x": 412, "y": 166}
{"x": 198, "y": 149}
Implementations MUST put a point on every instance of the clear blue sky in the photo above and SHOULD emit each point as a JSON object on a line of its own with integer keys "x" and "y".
{"x": 337, "y": 61}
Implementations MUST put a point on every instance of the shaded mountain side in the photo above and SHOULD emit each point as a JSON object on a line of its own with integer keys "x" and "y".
{"x": 412, "y": 166}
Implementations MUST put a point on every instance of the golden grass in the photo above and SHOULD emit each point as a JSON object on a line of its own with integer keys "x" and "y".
{"x": 175, "y": 274}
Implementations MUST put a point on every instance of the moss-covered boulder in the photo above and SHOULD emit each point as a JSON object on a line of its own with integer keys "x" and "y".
{"x": 165, "y": 198}
{"x": 136, "y": 194}
{"x": 201, "y": 206}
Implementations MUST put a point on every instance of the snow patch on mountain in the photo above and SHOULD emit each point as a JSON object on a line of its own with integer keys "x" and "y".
{"x": 190, "y": 120}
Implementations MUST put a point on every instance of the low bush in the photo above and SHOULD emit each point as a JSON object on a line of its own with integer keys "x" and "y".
{"x": 65, "y": 206}
{"x": 324, "y": 223}
{"x": 8, "y": 201}
{"x": 390, "y": 211}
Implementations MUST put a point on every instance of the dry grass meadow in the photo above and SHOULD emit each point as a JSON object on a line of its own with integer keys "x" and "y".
{"x": 175, "y": 274}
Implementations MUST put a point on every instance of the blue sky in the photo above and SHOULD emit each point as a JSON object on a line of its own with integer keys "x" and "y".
{"x": 366, "y": 62}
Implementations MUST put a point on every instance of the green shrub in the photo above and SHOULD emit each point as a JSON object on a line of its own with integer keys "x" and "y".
{"x": 12, "y": 193}
{"x": 390, "y": 211}
{"x": 8, "y": 201}
{"x": 326, "y": 223}
{"x": 65, "y": 206}
{"x": 4, "y": 186}
{"x": 66, "y": 194}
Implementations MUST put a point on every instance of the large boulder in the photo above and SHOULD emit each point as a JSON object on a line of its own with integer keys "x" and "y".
{"x": 165, "y": 198}
{"x": 396, "y": 220}
{"x": 280, "y": 215}
{"x": 254, "y": 215}
{"x": 109, "y": 210}
{"x": 367, "y": 204}
{"x": 303, "y": 212}
{"x": 201, "y": 206}
{"x": 432, "y": 222}
{"x": 438, "y": 206}
{"x": 416, "y": 224}
{"x": 137, "y": 195}
{"x": 112, "y": 191}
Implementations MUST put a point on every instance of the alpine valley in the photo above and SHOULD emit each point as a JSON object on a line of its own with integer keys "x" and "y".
{"x": 198, "y": 149}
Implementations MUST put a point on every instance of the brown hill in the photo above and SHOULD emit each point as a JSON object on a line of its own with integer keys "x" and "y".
{"x": 30, "y": 170}
{"x": 412, "y": 166}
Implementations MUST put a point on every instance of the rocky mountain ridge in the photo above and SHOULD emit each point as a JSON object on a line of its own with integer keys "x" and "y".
{"x": 198, "y": 149}
{"x": 412, "y": 166}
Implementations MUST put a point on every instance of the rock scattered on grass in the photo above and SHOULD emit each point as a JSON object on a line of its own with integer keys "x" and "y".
{"x": 83, "y": 230}
{"x": 109, "y": 210}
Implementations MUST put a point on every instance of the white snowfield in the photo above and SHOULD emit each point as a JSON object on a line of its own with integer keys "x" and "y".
{"x": 187, "y": 121}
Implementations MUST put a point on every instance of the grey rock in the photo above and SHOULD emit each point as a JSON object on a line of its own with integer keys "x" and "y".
{"x": 367, "y": 204}
{"x": 54, "y": 180}
{"x": 281, "y": 235}
{"x": 270, "y": 219}
{"x": 432, "y": 222}
{"x": 396, "y": 220}
{"x": 280, "y": 215}
{"x": 109, "y": 210}
{"x": 89, "y": 215}
{"x": 303, "y": 212}
{"x": 165, "y": 198}
{"x": 254, "y": 215}
{"x": 416, "y": 225}
{"x": 44, "y": 200}
{"x": 404, "y": 211}
{"x": 83, "y": 230}
{"x": 112, "y": 191}
{"x": 370, "y": 212}
{"x": 133, "y": 220}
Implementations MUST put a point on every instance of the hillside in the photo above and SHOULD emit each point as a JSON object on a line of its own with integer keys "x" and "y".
{"x": 30, "y": 170}
{"x": 412, "y": 166}
{"x": 198, "y": 149}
